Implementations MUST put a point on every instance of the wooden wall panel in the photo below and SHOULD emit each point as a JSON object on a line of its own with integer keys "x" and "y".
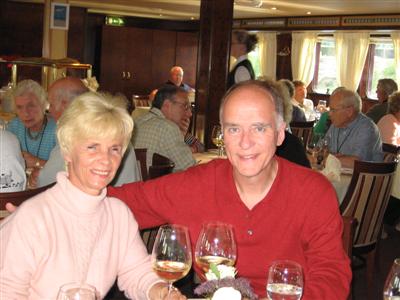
{"x": 76, "y": 33}
{"x": 21, "y": 32}
{"x": 186, "y": 55}
{"x": 163, "y": 57}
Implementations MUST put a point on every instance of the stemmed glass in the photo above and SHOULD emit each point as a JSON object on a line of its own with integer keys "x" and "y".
{"x": 215, "y": 244}
{"x": 218, "y": 138}
{"x": 285, "y": 280}
{"x": 77, "y": 291}
{"x": 391, "y": 290}
{"x": 172, "y": 255}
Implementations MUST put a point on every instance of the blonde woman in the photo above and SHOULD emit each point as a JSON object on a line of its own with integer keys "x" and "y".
{"x": 73, "y": 232}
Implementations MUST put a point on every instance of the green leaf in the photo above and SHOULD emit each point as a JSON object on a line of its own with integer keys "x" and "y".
{"x": 214, "y": 269}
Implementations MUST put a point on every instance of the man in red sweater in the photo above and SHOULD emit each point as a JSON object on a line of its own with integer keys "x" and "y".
{"x": 279, "y": 210}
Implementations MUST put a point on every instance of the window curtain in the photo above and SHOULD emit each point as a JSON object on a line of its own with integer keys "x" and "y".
{"x": 396, "y": 44}
{"x": 267, "y": 54}
{"x": 351, "y": 52}
{"x": 303, "y": 55}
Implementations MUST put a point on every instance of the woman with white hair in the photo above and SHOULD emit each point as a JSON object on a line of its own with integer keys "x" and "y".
{"x": 34, "y": 129}
{"x": 73, "y": 232}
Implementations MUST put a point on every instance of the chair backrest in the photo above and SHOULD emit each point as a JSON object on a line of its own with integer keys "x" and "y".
{"x": 141, "y": 100}
{"x": 303, "y": 130}
{"x": 141, "y": 155}
{"x": 149, "y": 237}
{"x": 367, "y": 198}
{"x": 16, "y": 198}
{"x": 349, "y": 226}
{"x": 161, "y": 165}
{"x": 390, "y": 152}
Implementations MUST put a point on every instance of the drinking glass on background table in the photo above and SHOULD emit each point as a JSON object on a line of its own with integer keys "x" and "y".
{"x": 317, "y": 147}
{"x": 391, "y": 290}
{"x": 172, "y": 255}
{"x": 77, "y": 291}
{"x": 285, "y": 281}
{"x": 217, "y": 138}
{"x": 215, "y": 244}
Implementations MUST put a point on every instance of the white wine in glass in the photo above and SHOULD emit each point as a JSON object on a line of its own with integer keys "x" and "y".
{"x": 218, "y": 138}
{"x": 77, "y": 291}
{"x": 215, "y": 244}
{"x": 391, "y": 290}
{"x": 285, "y": 281}
{"x": 172, "y": 255}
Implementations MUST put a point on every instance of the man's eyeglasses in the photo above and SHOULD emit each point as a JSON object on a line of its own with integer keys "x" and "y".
{"x": 185, "y": 106}
{"x": 332, "y": 110}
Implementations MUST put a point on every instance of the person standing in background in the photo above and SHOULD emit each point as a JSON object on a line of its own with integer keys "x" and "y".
{"x": 242, "y": 43}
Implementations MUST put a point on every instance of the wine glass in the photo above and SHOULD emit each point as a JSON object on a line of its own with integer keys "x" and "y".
{"x": 314, "y": 147}
{"x": 77, "y": 291}
{"x": 285, "y": 280}
{"x": 172, "y": 255}
{"x": 391, "y": 290}
{"x": 215, "y": 244}
{"x": 218, "y": 138}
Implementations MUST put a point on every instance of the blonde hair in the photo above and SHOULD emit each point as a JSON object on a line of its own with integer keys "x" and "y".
{"x": 94, "y": 115}
{"x": 29, "y": 86}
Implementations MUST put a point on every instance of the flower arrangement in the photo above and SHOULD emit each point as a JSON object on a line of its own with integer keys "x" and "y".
{"x": 221, "y": 284}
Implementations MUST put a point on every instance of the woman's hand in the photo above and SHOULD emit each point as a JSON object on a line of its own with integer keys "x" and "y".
{"x": 159, "y": 291}
{"x": 32, "y": 161}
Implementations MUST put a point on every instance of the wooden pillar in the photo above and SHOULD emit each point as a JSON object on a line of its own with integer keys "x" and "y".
{"x": 213, "y": 62}
{"x": 55, "y": 44}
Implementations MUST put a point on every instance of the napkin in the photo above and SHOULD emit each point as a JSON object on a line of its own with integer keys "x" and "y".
{"x": 332, "y": 168}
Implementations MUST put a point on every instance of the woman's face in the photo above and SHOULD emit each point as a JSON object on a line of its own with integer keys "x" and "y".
{"x": 92, "y": 163}
{"x": 29, "y": 111}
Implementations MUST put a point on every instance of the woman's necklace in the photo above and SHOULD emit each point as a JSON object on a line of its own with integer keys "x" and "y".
{"x": 34, "y": 138}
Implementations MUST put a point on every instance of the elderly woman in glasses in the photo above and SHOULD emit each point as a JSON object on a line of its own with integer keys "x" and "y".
{"x": 73, "y": 232}
{"x": 34, "y": 129}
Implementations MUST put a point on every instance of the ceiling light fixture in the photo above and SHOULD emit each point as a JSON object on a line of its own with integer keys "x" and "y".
{"x": 309, "y": 13}
{"x": 253, "y": 3}
{"x": 273, "y": 8}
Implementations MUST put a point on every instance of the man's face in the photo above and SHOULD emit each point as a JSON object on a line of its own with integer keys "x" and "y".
{"x": 29, "y": 111}
{"x": 176, "y": 76}
{"x": 56, "y": 106}
{"x": 339, "y": 114}
{"x": 250, "y": 132}
{"x": 300, "y": 92}
{"x": 178, "y": 110}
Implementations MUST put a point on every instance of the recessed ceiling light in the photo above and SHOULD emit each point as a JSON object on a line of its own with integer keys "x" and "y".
{"x": 309, "y": 13}
{"x": 161, "y": 15}
{"x": 273, "y": 8}
{"x": 192, "y": 18}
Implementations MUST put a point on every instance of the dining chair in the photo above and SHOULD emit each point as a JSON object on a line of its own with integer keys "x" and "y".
{"x": 303, "y": 130}
{"x": 366, "y": 200}
{"x": 390, "y": 152}
{"x": 141, "y": 159}
{"x": 141, "y": 100}
{"x": 349, "y": 226}
{"x": 161, "y": 166}
{"x": 16, "y": 198}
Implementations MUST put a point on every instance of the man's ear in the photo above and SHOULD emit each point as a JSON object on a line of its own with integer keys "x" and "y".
{"x": 281, "y": 133}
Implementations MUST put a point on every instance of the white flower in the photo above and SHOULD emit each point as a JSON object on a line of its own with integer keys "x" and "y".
{"x": 224, "y": 271}
{"x": 226, "y": 293}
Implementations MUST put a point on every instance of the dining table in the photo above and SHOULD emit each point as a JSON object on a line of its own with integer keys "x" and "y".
{"x": 205, "y": 157}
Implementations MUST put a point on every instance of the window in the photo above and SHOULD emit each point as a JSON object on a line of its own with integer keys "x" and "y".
{"x": 325, "y": 67}
{"x": 382, "y": 65}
